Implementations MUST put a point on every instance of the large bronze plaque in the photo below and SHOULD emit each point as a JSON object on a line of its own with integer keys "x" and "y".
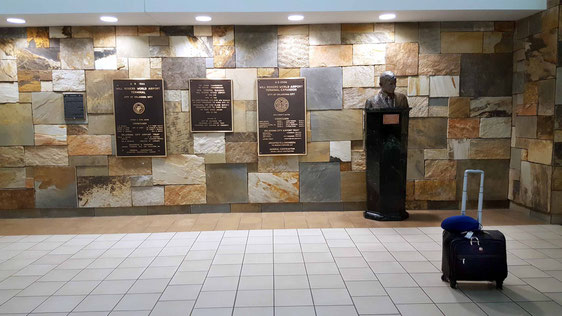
{"x": 281, "y": 116}
{"x": 210, "y": 105}
{"x": 139, "y": 117}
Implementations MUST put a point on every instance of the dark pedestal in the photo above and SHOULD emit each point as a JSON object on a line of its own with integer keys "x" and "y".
{"x": 386, "y": 145}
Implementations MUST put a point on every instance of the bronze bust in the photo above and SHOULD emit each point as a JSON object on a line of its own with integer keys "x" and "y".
{"x": 386, "y": 98}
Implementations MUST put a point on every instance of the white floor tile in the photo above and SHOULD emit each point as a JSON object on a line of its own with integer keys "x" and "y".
{"x": 137, "y": 302}
{"x": 253, "y": 311}
{"x": 374, "y": 305}
{"x": 254, "y": 298}
{"x": 113, "y": 287}
{"x": 396, "y": 280}
{"x": 407, "y": 295}
{"x": 188, "y": 278}
{"x": 331, "y": 297}
{"x": 98, "y": 303}
{"x": 419, "y": 310}
{"x": 502, "y": 309}
{"x": 332, "y": 281}
{"x": 221, "y": 284}
{"x": 21, "y": 304}
{"x": 545, "y": 284}
{"x": 181, "y": 293}
{"x": 41, "y": 289}
{"x": 215, "y": 299}
{"x": 446, "y": 295}
{"x": 523, "y": 293}
{"x": 291, "y": 282}
{"x": 168, "y": 308}
{"x": 149, "y": 286}
{"x": 262, "y": 282}
{"x": 461, "y": 309}
{"x": 78, "y": 288}
{"x": 296, "y": 311}
{"x": 335, "y": 310}
{"x": 293, "y": 298}
{"x": 59, "y": 304}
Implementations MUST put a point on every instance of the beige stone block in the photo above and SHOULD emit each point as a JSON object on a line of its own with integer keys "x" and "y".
{"x": 46, "y": 156}
{"x": 444, "y": 86}
{"x": 239, "y": 116}
{"x": 241, "y": 152}
{"x": 490, "y": 149}
{"x": 89, "y": 145}
{"x": 369, "y": 54}
{"x": 268, "y": 72}
{"x": 129, "y": 166}
{"x": 317, "y": 152}
{"x": 101, "y": 124}
{"x": 104, "y": 36}
{"x": 358, "y": 76}
{"x": 463, "y": 128}
{"x": 223, "y": 35}
{"x": 69, "y": 80}
{"x": 459, "y": 149}
{"x": 440, "y": 64}
{"x": 355, "y": 98}
{"x": 435, "y": 190}
{"x": 461, "y": 42}
{"x": 358, "y": 160}
{"x": 147, "y": 196}
{"x": 292, "y": 51}
{"x": 289, "y": 72}
{"x": 178, "y": 169}
{"x": 440, "y": 169}
{"x": 282, "y": 187}
{"x": 495, "y": 127}
{"x": 139, "y": 68}
{"x": 244, "y": 83}
{"x": 436, "y": 154}
{"x": 272, "y": 164}
{"x": 353, "y": 186}
{"x": 325, "y": 34}
{"x": 418, "y": 85}
{"x": 540, "y": 151}
{"x": 336, "y": 125}
{"x": 202, "y": 30}
{"x": 12, "y": 178}
{"x": 292, "y": 30}
{"x": 419, "y": 105}
{"x": 209, "y": 143}
{"x": 331, "y": 55}
{"x": 12, "y": 156}
{"x": 185, "y": 194}
{"x": 402, "y": 58}
{"x": 50, "y": 135}
{"x": 8, "y": 70}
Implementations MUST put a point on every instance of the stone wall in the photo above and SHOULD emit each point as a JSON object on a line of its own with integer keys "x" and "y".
{"x": 458, "y": 76}
{"x": 536, "y": 154}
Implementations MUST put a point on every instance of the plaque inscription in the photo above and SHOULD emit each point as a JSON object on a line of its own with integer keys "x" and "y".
{"x": 74, "y": 106}
{"x": 281, "y": 116}
{"x": 139, "y": 118}
{"x": 211, "y": 105}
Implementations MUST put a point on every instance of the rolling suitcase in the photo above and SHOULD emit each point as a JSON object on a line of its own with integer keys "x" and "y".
{"x": 474, "y": 256}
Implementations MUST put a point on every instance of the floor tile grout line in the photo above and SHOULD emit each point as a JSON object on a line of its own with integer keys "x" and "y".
{"x": 306, "y": 270}
{"x": 208, "y": 270}
{"x": 240, "y": 276}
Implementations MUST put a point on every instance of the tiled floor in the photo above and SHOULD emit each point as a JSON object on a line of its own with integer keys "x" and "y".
{"x": 354, "y": 271}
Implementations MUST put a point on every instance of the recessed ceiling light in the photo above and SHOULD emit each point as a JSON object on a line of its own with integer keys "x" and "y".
{"x": 203, "y": 18}
{"x": 15, "y": 20}
{"x": 295, "y": 17}
{"x": 387, "y": 16}
{"x": 109, "y": 19}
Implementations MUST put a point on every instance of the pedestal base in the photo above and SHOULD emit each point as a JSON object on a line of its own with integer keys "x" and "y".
{"x": 385, "y": 217}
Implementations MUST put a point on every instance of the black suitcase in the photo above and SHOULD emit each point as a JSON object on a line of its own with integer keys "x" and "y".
{"x": 480, "y": 258}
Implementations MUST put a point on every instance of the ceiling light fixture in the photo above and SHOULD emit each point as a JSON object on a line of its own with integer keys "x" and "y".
{"x": 387, "y": 16}
{"x": 203, "y": 18}
{"x": 15, "y": 20}
{"x": 295, "y": 17}
{"x": 109, "y": 19}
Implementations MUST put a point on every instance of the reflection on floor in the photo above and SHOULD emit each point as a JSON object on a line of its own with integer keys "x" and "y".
{"x": 333, "y": 271}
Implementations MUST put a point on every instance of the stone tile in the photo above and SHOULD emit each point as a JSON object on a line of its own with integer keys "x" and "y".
{"x": 68, "y": 80}
{"x": 435, "y": 190}
{"x": 331, "y": 55}
{"x": 540, "y": 151}
{"x": 490, "y": 149}
{"x": 367, "y": 33}
{"x": 535, "y": 182}
{"x": 495, "y": 127}
{"x": 227, "y": 183}
{"x": 17, "y": 199}
{"x": 430, "y": 37}
{"x": 336, "y": 125}
{"x": 498, "y": 42}
{"x": 240, "y": 79}
{"x": 132, "y": 46}
{"x": 77, "y": 53}
{"x": 17, "y": 125}
{"x": 38, "y": 37}
{"x": 8, "y": 70}
{"x": 419, "y": 106}
{"x": 317, "y": 152}
{"x": 224, "y": 56}
{"x": 353, "y": 186}
{"x": 223, "y": 35}
{"x": 99, "y": 88}
{"x": 48, "y": 108}
{"x": 324, "y": 88}
{"x": 491, "y": 107}
{"x": 292, "y": 29}
{"x": 418, "y": 85}
{"x": 293, "y": 51}
{"x": 358, "y": 76}
{"x": 319, "y": 182}
{"x": 355, "y": 98}
{"x": 178, "y": 169}
{"x": 463, "y": 128}
{"x": 129, "y": 166}
{"x": 183, "y": 46}
{"x": 461, "y": 42}
{"x": 526, "y": 126}
{"x": 147, "y": 196}
{"x": 406, "y": 32}
{"x": 55, "y": 187}
{"x": 101, "y": 124}
{"x": 104, "y": 36}
{"x": 415, "y": 167}
{"x": 29, "y": 80}
{"x": 325, "y": 34}
{"x": 256, "y": 46}
{"x": 30, "y": 58}
{"x": 184, "y": 194}
{"x": 209, "y": 143}
{"x": 530, "y": 100}
{"x": 241, "y": 152}
{"x": 139, "y": 68}
{"x": 178, "y": 137}
{"x": 440, "y": 169}
{"x": 427, "y": 133}
{"x": 280, "y": 187}
{"x": 277, "y": 164}
{"x": 12, "y": 178}
{"x": 9, "y": 92}
{"x": 547, "y": 89}
{"x": 496, "y": 179}
{"x": 46, "y": 156}
{"x": 53, "y": 135}
{"x": 440, "y": 64}
{"x": 177, "y": 30}
{"x": 459, "y": 107}
{"x": 369, "y": 54}
{"x": 12, "y": 156}
{"x": 444, "y": 86}
{"x": 402, "y": 58}
{"x": 178, "y": 70}
{"x": 104, "y": 192}
{"x": 89, "y": 145}
{"x": 474, "y": 84}
{"x": 340, "y": 151}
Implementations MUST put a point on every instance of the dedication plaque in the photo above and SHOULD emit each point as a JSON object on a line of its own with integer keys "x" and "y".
{"x": 211, "y": 105}
{"x": 74, "y": 106}
{"x": 139, "y": 117}
{"x": 281, "y": 116}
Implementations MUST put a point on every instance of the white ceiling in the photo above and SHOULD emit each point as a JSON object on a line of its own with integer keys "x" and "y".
{"x": 183, "y": 12}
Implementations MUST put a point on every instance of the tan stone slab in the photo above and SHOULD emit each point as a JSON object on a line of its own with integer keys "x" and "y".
{"x": 440, "y": 169}
{"x": 126, "y": 31}
{"x": 292, "y": 30}
{"x": 38, "y": 37}
{"x": 178, "y": 169}
{"x": 99, "y": 89}
{"x": 154, "y": 30}
{"x": 17, "y": 199}
{"x": 459, "y": 107}
{"x": 46, "y": 156}
{"x": 89, "y": 145}
{"x": 461, "y": 42}
{"x": 435, "y": 190}
{"x": 16, "y": 126}
{"x": 353, "y": 186}
{"x": 436, "y": 154}
{"x": 12, "y": 156}
{"x": 139, "y": 68}
{"x": 530, "y": 100}
{"x": 495, "y": 127}
{"x": 185, "y": 194}
{"x": 104, "y": 36}
{"x": 272, "y": 164}
{"x": 50, "y": 135}
{"x": 289, "y": 72}
{"x": 241, "y": 152}
{"x": 402, "y": 58}
{"x": 358, "y": 27}
{"x": 440, "y": 64}
{"x": 8, "y": 70}
{"x": 463, "y": 128}
{"x": 12, "y": 178}
{"x": 104, "y": 192}
{"x": 490, "y": 149}
{"x": 316, "y": 152}
{"x": 268, "y": 72}
{"x": 331, "y": 55}
{"x": 418, "y": 85}
{"x": 223, "y": 35}
{"x": 280, "y": 187}
{"x": 358, "y": 160}
{"x": 369, "y": 54}
{"x": 129, "y": 166}
{"x": 540, "y": 151}
{"x": 336, "y": 125}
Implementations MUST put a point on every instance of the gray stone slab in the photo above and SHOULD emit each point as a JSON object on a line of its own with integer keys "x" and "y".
{"x": 415, "y": 168}
{"x": 282, "y": 207}
{"x": 427, "y": 133}
{"x": 325, "y": 34}
{"x": 55, "y": 187}
{"x": 496, "y": 180}
{"x": 320, "y": 182}
{"x": 480, "y": 73}
{"x": 48, "y": 108}
{"x": 406, "y": 32}
{"x": 323, "y": 88}
{"x": 430, "y": 38}
{"x": 526, "y": 126}
{"x": 17, "y": 126}
{"x": 227, "y": 183}
{"x": 177, "y": 71}
{"x": 210, "y": 208}
{"x": 77, "y": 53}
{"x": 256, "y": 45}
{"x": 438, "y": 101}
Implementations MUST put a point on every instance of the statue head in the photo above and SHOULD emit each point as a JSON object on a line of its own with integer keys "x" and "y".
{"x": 387, "y": 82}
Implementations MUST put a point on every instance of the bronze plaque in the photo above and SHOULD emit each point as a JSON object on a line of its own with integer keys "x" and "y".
{"x": 139, "y": 117}
{"x": 390, "y": 119}
{"x": 210, "y": 105}
{"x": 281, "y": 116}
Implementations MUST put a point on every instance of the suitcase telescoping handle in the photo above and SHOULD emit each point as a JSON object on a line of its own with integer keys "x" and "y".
{"x": 480, "y": 193}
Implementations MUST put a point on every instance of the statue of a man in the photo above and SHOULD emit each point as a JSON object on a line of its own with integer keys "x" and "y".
{"x": 386, "y": 98}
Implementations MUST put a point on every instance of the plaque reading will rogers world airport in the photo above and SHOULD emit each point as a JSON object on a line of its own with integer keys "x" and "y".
{"x": 139, "y": 117}
{"x": 281, "y": 116}
{"x": 211, "y": 105}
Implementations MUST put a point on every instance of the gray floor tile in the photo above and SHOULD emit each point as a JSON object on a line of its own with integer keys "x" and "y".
{"x": 502, "y": 309}
{"x": 262, "y": 282}
{"x": 365, "y": 288}
{"x": 291, "y": 282}
{"x": 374, "y": 305}
{"x": 181, "y": 293}
{"x": 524, "y": 293}
{"x": 113, "y": 287}
{"x": 41, "y": 289}
{"x": 256, "y": 269}
{"x": 419, "y": 310}
{"x": 254, "y": 298}
{"x": 21, "y": 304}
{"x": 59, "y": 304}
{"x": 168, "y": 308}
{"x": 78, "y": 288}
{"x": 137, "y": 302}
{"x": 188, "y": 278}
{"x": 334, "y": 281}
{"x": 396, "y": 280}
{"x": 215, "y": 299}
{"x": 98, "y": 303}
{"x": 221, "y": 284}
{"x": 461, "y": 309}
{"x": 253, "y": 311}
{"x": 335, "y": 310}
{"x": 323, "y": 268}
{"x": 446, "y": 295}
{"x": 331, "y": 297}
{"x": 295, "y": 311}
{"x": 404, "y": 295}
{"x": 149, "y": 286}
{"x": 293, "y": 298}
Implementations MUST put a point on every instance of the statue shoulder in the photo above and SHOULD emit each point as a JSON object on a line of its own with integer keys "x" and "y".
{"x": 401, "y": 100}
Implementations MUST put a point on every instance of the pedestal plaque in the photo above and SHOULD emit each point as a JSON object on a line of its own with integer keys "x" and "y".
{"x": 281, "y": 116}
{"x": 210, "y": 103}
{"x": 139, "y": 117}
{"x": 386, "y": 145}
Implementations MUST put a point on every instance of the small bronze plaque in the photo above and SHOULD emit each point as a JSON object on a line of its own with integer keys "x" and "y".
{"x": 390, "y": 119}
{"x": 211, "y": 105}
